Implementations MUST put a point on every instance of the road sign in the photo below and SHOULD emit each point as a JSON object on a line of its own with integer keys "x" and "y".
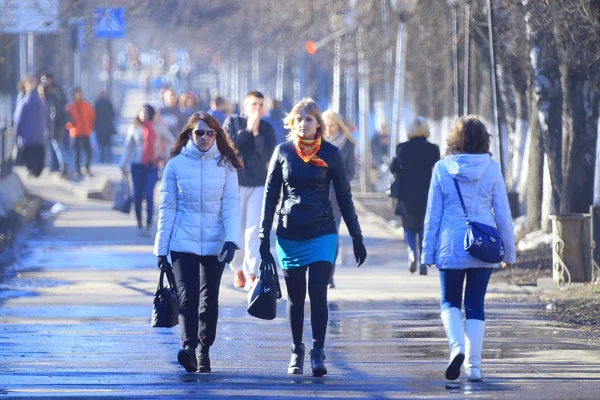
{"x": 109, "y": 22}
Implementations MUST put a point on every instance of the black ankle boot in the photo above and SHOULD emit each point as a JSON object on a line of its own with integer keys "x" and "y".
{"x": 317, "y": 361}
{"x": 203, "y": 362}
{"x": 187, "y": 358}
{"x": 297, "y": 362}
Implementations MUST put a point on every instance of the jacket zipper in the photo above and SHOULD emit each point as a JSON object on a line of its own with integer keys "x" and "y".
{"x": 201, "y": 203}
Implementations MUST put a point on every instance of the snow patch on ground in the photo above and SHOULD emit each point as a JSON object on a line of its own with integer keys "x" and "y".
{"x": 535, "y": 240}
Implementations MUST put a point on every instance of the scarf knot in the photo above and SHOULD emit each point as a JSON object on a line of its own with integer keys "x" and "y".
{"x": 307, "y": 150}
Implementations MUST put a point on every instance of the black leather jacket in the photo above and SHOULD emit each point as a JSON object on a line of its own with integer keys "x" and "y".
{"x": 305, "y": 212}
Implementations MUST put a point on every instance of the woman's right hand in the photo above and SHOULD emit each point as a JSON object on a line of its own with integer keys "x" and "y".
{"x": 163, "y": 262}
{"x": 505, "y": 265}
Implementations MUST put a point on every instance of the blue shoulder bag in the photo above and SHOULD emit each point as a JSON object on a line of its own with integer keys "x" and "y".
{"x": 482, "y": 241}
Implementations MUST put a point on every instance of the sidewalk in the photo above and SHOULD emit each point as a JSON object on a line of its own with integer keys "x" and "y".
{"x": 75, "y": 313}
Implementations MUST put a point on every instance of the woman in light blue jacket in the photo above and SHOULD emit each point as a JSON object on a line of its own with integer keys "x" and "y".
{"x": 482, "y": 186}
{"x": 199, "y": 227}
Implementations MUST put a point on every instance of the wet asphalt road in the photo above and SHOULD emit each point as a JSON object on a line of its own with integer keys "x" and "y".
{"x": 75, "y": 311}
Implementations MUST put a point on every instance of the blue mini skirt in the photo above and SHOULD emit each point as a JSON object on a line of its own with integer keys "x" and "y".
{"x": 299, "y": 253}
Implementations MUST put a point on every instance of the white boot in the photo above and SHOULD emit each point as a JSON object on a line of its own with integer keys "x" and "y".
{"x": 475, "y": 331}
{"x": 455, "y": 331}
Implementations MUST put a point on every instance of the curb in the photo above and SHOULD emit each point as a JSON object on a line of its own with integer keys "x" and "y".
{"x": 99, "y": 189}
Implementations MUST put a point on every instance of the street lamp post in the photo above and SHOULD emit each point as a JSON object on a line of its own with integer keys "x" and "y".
{"x": 466, "y": 67}
{"x": 363, "y": 106}
{"x": 280, "y": 70}
{"x": 499, "y": 150}
{"x": 389, "y": 60}
{"x": 454, "y": 5}
{"x": 403, "y": 9}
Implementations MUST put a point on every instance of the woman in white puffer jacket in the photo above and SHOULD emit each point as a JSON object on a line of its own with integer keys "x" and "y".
{"x": 199, "y": 225}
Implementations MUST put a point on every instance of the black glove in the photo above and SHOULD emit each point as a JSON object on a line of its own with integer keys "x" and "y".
{"x": 360, "y": 252}
{"x": 163, "y": 262}
{"x": 265, "y": 249}
{"x": 227, "y": 253}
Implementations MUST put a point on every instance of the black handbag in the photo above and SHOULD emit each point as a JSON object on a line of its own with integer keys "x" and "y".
{"x": 165, "y": 310}
{"x": 124, "y": 199}
{"x": 262, "y": 298}
{"x": 482, "y": 241}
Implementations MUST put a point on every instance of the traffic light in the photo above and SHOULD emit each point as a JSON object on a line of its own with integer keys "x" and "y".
{"x": 311, "y": 47}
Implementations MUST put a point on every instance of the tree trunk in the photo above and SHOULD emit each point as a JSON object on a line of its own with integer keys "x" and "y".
{"x": 535, "y": 173}
{"x": 548, "y": 95}
{"x": 579, "y": 140}
{"x": 597, "y": 161}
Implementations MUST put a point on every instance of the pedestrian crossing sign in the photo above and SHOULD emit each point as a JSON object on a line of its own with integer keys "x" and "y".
{"x": 109, "y": 22}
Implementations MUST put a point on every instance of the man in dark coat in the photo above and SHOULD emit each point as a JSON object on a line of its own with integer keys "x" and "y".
{"x": 105, "y": 125}
{"x": 254, "y": 140}
{"x": 412, "y": 168}
{"x": 57, "y": 101}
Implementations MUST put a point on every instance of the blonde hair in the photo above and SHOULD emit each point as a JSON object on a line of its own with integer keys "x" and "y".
{"x": 340, "y": 123}
{"x": 310, "y": 107}
{"x": 184, "y": 98}
{"x": 418, "y": 128}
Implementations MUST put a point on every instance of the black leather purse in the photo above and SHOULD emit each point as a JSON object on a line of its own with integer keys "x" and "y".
{"x": 262, "y": 298}
{"x": 165, "y": 310}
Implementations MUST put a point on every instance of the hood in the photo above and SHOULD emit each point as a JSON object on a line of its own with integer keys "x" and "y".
{"x": 190, "y": 150}
{"x": 467, "y": 167}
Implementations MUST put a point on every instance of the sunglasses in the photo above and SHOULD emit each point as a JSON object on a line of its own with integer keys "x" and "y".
{"x": 210, "y": 133}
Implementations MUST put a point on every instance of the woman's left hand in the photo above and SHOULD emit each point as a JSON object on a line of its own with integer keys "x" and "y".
{"x": 227, "y": 253}
{"x": 360, "y": 252}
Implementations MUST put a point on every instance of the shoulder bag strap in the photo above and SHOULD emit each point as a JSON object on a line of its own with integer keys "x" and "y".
{"x": 462, "y": 203}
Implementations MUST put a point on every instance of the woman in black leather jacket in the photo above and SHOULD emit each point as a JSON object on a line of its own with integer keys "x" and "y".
{"x": 305, "y": 166}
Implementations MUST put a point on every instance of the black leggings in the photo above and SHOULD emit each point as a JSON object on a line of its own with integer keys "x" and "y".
{"x": 295, "y": 281}
{"x": 198, "y": 279}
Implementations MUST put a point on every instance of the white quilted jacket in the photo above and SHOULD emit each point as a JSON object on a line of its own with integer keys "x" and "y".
{"x": 199, "y": 206}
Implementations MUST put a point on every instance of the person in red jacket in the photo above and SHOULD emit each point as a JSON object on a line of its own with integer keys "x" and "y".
{"x": 80, "y": 127}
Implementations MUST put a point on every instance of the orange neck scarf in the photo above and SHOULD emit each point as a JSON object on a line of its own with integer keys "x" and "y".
{"x": 307, "y": 150}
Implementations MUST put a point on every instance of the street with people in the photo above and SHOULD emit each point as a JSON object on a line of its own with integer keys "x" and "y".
{"x": 338, "y": 207}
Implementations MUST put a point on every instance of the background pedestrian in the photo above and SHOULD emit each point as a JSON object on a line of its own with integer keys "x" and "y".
{"x": 412, "y": 167}
{"x": 254, "y": 140}
{"x": 80, "y": 128}
{"x": 31, "y": 127}
{"x": 338, "y": 134}
{"x": 105, "y": 125}
{"x": 143, "y": 149}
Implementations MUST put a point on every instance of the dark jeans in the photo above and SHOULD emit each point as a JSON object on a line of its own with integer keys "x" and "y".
{"x": 451, "y": 285}
{"x": 198, "y": 280}
{"x": 144, "y": 179}
{"x": 295, "y": 281}
{"x": 412, "y": 239}
{"x": 82, "y": 143}
{"x": 105, "y": 153}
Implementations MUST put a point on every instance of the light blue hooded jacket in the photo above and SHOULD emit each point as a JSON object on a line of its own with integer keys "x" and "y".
{"x": 486, "y": 200}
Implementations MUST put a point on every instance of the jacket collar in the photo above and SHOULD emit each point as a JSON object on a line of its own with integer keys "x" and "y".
{"x": 190, "y": 150}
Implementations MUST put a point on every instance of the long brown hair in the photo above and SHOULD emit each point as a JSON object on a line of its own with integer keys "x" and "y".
{"x": 224, "y": 145}
{"x": 468, "y": 136}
